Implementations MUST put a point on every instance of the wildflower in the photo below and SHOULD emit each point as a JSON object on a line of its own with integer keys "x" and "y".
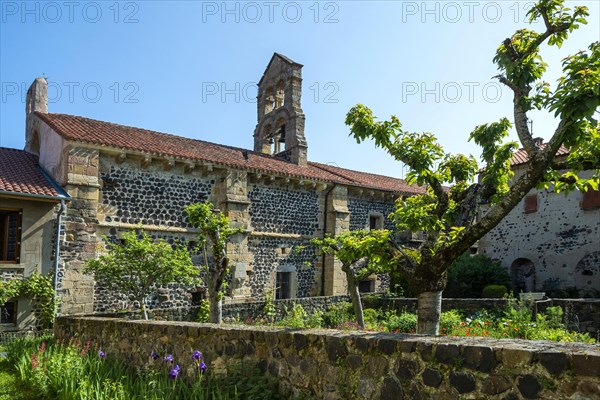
{"x": 101, "y": 354}
{"x": 34, "y": 361}
{"x": 154, "y": 355}
{"x": 174, "y": 372}
{"x": 197, "y": 355}
{"x": 168, "y": 359}
{"x": 202, "y": 367}
{"x": 42, "y": 347}
{"x": 463, "y": 323}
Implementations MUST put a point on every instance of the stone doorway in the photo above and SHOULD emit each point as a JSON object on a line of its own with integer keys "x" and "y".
{"x": 522, "y": 272}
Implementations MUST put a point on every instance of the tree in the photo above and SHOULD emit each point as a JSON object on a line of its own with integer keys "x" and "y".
{"x": 216, "y": 232}
{"x": 448, "y": 215}
{"x": 361, "y": 253}
{"x": 139, "y": 264}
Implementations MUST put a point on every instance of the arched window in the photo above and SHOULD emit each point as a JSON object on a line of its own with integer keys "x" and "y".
{"x": 269, "y": 100}
{"x": 280, "y": 94}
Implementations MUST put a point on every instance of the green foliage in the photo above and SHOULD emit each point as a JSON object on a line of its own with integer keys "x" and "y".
{"x": 203, "y": 311}
{"x": 337, "y": 314}
{"x": 299, "y": 318}
{"x": 494, "y": 292}
{"x": 269, "y": 311}
{"x": 213, "y": 237}
{"x": 349, "y": 247}
{"x": 469, "y": 275}
{"x": 449, "y": 217}
{"x": 450, "y": 319}
{"x": 75, "y": 371}
{"x": 39, "y": 288}
{"x": 402, "y": 323}
{"x": 140, "y": 264}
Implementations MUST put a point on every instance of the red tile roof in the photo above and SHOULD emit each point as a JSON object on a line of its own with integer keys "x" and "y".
{"x": 136, "y": 139}
{"x": 20, "y": 174}
{"x": 520, "y": 157}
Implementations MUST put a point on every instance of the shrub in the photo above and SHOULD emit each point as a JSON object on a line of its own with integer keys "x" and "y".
{"x": 468, "y": 275}
{"x": 403, "y": 323}
{"x": 203, "y": 311}
{"x": 494, "y": 291}
{"x": 338, "y": 313}
{"x": 450, "y": 320}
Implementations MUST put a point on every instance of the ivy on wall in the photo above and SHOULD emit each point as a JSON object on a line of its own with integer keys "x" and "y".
{"x": 36, "y": 286}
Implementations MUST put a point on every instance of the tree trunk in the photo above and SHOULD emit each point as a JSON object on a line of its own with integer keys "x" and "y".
{"x": 355, "y": 296}
{"x": 429, "y": 307}
{"x": 143, "y": 305}
{"x": 216, "y": 307}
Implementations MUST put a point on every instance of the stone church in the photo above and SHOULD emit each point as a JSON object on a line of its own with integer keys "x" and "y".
{"x": 118, "y": 177}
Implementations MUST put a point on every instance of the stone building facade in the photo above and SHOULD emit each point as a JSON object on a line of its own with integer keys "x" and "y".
{"x": 119, "y": 177}
{"x": 550, "y": 241}
{"x": 31, "y": 205}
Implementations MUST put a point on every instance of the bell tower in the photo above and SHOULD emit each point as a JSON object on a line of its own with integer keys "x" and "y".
{"x": 280, "y": 127}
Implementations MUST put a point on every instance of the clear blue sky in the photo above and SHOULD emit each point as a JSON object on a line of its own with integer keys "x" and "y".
{"x": 164, "y": 65}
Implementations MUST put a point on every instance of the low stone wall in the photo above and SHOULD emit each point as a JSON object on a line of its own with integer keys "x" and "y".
{"x": 327, "y": 364}
{"x": 581, "y": 315}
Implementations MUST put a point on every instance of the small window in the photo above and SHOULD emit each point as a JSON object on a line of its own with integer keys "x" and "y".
{"x": 375, "y": 222}
{"x": 366, "y": 286}
{"x": 10, "y": 236}
{"x": 8, "y": 313}
{"x": 590, "y": 199}
{"x": 530, "y": 205}
{"x": 283, "y": 285}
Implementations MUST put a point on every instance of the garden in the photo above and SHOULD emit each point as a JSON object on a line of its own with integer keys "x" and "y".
{"x": 47, "y": 369}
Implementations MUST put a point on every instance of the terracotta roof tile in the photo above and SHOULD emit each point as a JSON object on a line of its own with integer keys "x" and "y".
{"x": 520, "y": 157}
{"x": 136, "y": 139}
{"x": 21, "y": 174}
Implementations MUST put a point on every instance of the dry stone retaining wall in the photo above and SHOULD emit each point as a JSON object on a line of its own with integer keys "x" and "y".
{"x": 327, "y": 364}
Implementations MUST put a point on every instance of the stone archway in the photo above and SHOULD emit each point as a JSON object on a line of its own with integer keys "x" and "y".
{"x": 587, "y": 273}
{"x": 522, "y": 272}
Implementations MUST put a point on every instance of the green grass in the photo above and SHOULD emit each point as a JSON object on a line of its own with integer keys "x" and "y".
{"x": 10, "y": 386}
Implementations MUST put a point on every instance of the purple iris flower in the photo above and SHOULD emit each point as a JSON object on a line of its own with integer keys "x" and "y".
{"x": 168, "y": 359}
{"x": 202, "y": 367}
{"x": 174, "y": 372}
{"x": 101, "y": 354}
{"x": 197, "y": 355}
{"x": 154, "y": 355}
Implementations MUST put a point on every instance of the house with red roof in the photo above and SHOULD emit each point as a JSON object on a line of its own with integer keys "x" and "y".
{"x": 550, "y": 242}
{"x": 119, "y": 177}
{"x": 31, "y": 206}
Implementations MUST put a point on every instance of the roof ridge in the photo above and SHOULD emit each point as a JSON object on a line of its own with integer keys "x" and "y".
{"x": 146, "y": 141}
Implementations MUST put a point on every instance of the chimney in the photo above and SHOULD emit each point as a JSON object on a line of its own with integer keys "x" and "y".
{"x": 37, "y": 100}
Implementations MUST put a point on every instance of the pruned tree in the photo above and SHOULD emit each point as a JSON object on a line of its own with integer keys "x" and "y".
{"x": 448, "y": 216}
{"x": 140, "y": 264}
{"x": 214, "y": 235}
{"x": 361, "y": 253}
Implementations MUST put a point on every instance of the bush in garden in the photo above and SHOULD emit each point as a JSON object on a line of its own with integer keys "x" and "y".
{"x": 469, "y": 275}
{"x": 337, "y": 314}
{"x": 494, "y": 291}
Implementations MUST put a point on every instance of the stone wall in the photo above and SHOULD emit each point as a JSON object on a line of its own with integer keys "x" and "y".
{"x": 327, "y": 364}
{"x": 551, "y": 246}
{"x": 36, "y": 252}
{"x": 360, "y": 210}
